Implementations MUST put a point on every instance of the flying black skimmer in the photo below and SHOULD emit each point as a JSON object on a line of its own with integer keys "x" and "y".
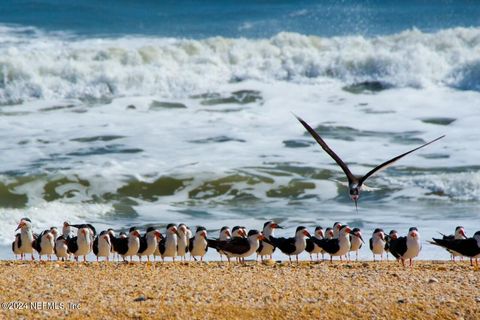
{"x": 224, "y": 235}
{"x": 183, "y": 241}
{"x": 355, "y": 184}
{"x": 356, "y": 241}
{"x": 25, "y": 243}
{"x": 149, "y": 243}
{"x": 292, "y": 246}
{"x": 312, "y": 247}
{"x": 102, "y": 245}
{"x": 168, "y": 245}
{"x": 266, "y": 249}
{"x": 469, "y": 247}
{"x": 392, "y": 235}
{"x": 238, "y": 247}
{"x": 336, "y": 229}
{"x": 127, "y": 247}
{"x": 377, "y": 243}
{"x": 198, "y": 244}
{"x": 459, "y": 234}
{"x": 406, "y": 247}
{"x": 81, "y": 245}
{"x": 336, "y": 246}
{"x": 45, "y": 243}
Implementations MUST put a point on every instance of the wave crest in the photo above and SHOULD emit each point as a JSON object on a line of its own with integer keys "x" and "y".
{"x": 46, "y": 66}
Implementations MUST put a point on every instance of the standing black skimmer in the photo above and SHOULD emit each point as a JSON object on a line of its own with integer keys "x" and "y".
{"x": 81, "y": 245}
{"x": 377, "y": 243}
{"x": 329, "y": 233}
{"x": 392, "y": 235}
{"x": 239, "y": 232}
{"x": 224, "y": 235}
{"x": 168, "y": 245}
{"x": 336, "y": 247}
{"x": 266, "y": 249}
{"x": 336, "y": 229}
{"x": 238, "y": 247}
{"x": 198, "y": 244}
{"x": 61, "y": 248}
{"x": 312, "y": 247}
{"x": 459, "y": 234}
{"x": 406, "y": 247}
{"x": 67, "y": 230}
{"x": 292, "y": 246}
{"x": 45, "y": 243}
{"x": 15, "y": 246}
{"x": 356, "y": 241}
{"x": 102, "y": 245}
{"x": 183, "y": 241}
{"x": 25, "y": 243}
{"x": 149, "y": 243}
{"x": 469, "y": 247}
{"x": 355, "y": 184}
{"x": 128, "y": 247}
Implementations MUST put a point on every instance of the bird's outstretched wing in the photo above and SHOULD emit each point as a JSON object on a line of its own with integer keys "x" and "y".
{"x": 316, "y": 136}
{"x": 388, "y": 163}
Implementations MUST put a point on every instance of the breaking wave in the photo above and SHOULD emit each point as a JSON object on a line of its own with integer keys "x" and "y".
{"x": 36, "y": 65}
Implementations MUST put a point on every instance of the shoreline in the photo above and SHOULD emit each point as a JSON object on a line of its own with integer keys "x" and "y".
{"x": 215, "y": 290}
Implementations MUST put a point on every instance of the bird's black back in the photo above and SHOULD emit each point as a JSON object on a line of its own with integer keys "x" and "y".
{"x": 398, "y": 247}
{"x": 329, "y": 245}
{"x": 72, "y": 244}
{"x": 286, "y": 245}
{"x": 95, "y": 246}
{"x": 467, "y": 247}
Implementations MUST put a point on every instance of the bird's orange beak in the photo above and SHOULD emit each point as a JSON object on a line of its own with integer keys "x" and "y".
{"x": 306, "y": 233}
{"x": 21, "y": 224}
{"x": 204, "y": 234}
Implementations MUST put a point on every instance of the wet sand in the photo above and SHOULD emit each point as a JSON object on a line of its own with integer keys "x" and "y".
{"x": 214, "y": 290}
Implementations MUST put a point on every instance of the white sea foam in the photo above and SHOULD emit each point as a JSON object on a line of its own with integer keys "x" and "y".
{"x": 46, "y": 66}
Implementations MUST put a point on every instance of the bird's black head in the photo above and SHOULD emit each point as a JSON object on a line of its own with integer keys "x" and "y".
{"x": 459, "y": 227}
{"x": 103, "y": 232}
{"x": 122, "y": 233}
{"x": 200, "y": 228}
{"x": 267, "y": 223}
{"x": 132, "y": 229}
{"x": 378, "y": 230}
{"x": 252, "y": 232}
{"x": 224, "y": 228}
{"x": 150, "y": 229}
{"x": 355, "y": 230}
{"x": 27, "y": 219}
{"x": 412, "y": 229}
{"x": 318, "y": 228}
{"x": 236, "y": 228}
{"x": 171, "y": 225}
{"x": 392, "y": 232}
{"x": 300, "y": 228}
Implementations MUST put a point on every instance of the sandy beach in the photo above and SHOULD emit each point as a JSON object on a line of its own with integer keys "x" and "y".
{"x": 214, "y": 290}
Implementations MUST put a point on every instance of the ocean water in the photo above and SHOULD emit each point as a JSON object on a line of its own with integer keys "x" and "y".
{"x": 123, "y": 114}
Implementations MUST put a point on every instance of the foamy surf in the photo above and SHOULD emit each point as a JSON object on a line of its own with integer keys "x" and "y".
{"x": 55, "y": 66}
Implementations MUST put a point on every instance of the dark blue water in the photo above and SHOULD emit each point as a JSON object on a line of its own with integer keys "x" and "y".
{"x": 253, "y": 19}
